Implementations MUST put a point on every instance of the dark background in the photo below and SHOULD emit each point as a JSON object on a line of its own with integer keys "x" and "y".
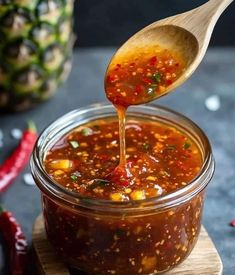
{"x": 111, "y": 22}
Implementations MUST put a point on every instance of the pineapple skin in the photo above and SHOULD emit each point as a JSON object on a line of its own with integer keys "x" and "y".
{"x": 36, "y": 41}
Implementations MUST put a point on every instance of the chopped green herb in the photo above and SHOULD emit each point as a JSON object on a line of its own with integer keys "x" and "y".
{"x": 146, "y": 146}
{"x": 87, "y": 131}
{"x": 74, "y": 144}
{"x": 74, "y": 177}
{"x": 186, "y": 145}
{"x": 157, "y": 77}
{"x": 171, "y": 147}
{"x": 165, "y": 173}
{"x": 98, "y": 183}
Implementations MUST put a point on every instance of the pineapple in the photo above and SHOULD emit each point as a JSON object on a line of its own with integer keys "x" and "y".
{"x": 36, "y": 42}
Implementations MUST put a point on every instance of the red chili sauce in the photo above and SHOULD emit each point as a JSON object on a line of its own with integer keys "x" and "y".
{"x": 98, "y": 160}
{"x": 160, "y": 159}
{"x": 141, "y": 76}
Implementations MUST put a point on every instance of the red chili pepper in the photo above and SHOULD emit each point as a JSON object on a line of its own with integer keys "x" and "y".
{"x": 232, "y": 223}
{"x": 19, "y": 158}
{"x": 15, "y": 241}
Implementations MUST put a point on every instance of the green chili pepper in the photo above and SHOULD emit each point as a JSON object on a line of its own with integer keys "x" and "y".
{"x": 74, "y": 177}
{"x": 146, "y": 146}
{"x": 87, "y": 132}
{"x": 186, "y": 145}
{"x": 157, "y": 77}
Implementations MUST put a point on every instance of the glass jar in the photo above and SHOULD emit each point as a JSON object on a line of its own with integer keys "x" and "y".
{"x": 135, "y": 237}
{"x": 36, "y": 41}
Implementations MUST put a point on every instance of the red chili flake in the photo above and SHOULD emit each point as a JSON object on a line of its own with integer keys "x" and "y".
{"x": 147, "y": 80}
{"x": 232, "y": 223}
{"x": 110, "y": 78}
{"x": 118, "y": 66}
{"x": 153, "y": 61}
{"x": 138, "y": 88}
{"x": 132, "y": 64}
{"x": 169, "y": 82}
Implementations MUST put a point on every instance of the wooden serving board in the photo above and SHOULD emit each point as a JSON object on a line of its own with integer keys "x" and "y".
{"x": 204, "y": 258}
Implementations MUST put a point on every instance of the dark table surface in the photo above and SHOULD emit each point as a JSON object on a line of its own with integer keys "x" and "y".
{"x": 215, "y": 76}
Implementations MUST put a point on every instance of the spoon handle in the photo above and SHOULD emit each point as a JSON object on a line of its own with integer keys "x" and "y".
{"x": 220, "y": 5}
{"x": 201, "y": 21}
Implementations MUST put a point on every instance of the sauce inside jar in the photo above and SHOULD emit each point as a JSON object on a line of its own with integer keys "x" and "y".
{"x": 160, "y": 159}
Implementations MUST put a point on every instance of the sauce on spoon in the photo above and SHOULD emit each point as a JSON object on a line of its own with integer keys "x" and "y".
{"x": 136, "y": 78}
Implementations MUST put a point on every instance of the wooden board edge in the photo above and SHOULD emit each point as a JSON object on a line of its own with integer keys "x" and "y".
{"x": 48, "y": 263}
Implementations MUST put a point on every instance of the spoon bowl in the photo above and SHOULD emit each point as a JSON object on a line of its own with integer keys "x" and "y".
{"x": 187, "y": 34}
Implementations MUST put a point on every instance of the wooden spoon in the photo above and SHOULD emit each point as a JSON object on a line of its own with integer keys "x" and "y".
{"x": 188, "y": 34}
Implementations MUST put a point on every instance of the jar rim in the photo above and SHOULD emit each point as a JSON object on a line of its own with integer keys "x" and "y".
{"x": 52, "y": 188}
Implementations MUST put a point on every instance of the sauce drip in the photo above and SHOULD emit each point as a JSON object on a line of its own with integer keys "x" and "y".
{"x": 136, "y": 78}
{"x": 122, "y": 130}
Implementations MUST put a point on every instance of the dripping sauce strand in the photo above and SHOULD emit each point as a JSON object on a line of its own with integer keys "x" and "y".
{"x": 121, "y": 175}
{"x": 137, "y": 79}
{"x": 122, "y": 130}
